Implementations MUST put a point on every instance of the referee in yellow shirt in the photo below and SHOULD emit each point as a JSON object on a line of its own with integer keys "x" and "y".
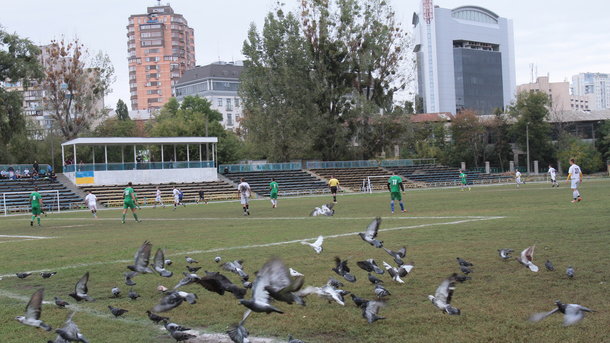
{"x": 334, "y": 185}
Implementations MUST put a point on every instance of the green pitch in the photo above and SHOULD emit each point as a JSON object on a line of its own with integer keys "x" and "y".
{"x": 440, "y": 225}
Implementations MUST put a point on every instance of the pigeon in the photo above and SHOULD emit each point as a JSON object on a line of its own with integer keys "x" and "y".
{"x": 371, "y": 232}
{"x": 462, "y": 278}
{"x": 80, "y": 289}
{"x": 181, "y": 336}
{"x": 463, "y": 262}
{"x": 359, "y": 301}
{"x": 247, "y": 284}
{"x": 397, "y": 273}
{"x": 342, "y": 269}
{"x": 505, "y": 253}
{"x": 549, "y": 266}
{"x": 270, "y": 276}
{"x": 173, "y": 300}
{"x": 572, "y": 313}
{"x": 169, "y": 326}
{"x": 23, "y": 275}
{"x": 370, "y": 310}
{"x": 327, "y": 292}
{"x": 133, "y": 295}
{"x": 237, "y": 268}
{"x": 370, "y": 266}
{"x": 69, "y": 333}
{"x": 33, "y": 310}
{"x": 465, "y": 270}
{"x": 443, "y": 294}
{"x": 193, "y": 269}
{"x": 159, "y": 264}
{"x": 117, "y": 312}
{"x": 373, "y": 279}
{"x": 128, "y": 280}
{"x": 335, "y": 283}
{"x": 294, "y": 272}
{"x": 284, "y": 286}
{"x": 60, "y": 303}
{"x": 141, "y": 259}
{"x": 570, "y": 272}
{"x": 187, "y": 280}
{"x": 217, "y": 259}
{"x": 237, "y": 332}
{"x": 218, "y": 283}
{"x": 317, "y": 245}
{"x": 324, "y": 210}
{"x": 190, "y": 260}
{"x": 397, "y": 255}
{"x": 381, "y": 292}
{"x": 168, "y": 262}
{"x": 155, "y": 317}
{"x": 46, "y": 275}
{"x": 294, "y": 340}
{"x": 526, "y": 258}
{"x": 115, "y": 292}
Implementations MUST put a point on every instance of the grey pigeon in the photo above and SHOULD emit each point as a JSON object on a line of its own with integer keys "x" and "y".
{"x": 159, "y": 264}
{"x": 373, "y": 279}
{"x": 133, "y": 295}
{"x": 80, "y": 289}
{"x": 23, "y": 275}
{"x": 69, "y": 333}
{"x": 46, "y": 275}
{"x": 370, "y": 311}
{"x": 526, "y": 258}
{"x": 237, "y": 332}
{"x": 324, "y": 210}
{"x": 284, "y": 286}
{"x": 181, "y": 336}
{"x": 327, "y": 292}
{"x": 155, "y": 317}
{"x": 267, "y": 277}
{"x": 549, "y": 266}
{"x": 342, "y": 269}
{"x": 371, "y": 233}
{"x": 397, "y": 255}
{"x": 237, "y": 268}
{"x": 381, "y": 292}
{"x": 217, "y": 259}
{"x": 294, "y": 340}
{"x": 317, "y": 245}
{"x": 117, "y": 312}
{"x": 190, "y": 260}
{"x": 359, "y": 301}
{"x": 173, "y": 300}
{"x": 442, "y": 296}
{"x": 335, "y": 283}
{"x": 218, "y": 283}
{"x": 128, "y": 278}
{"x": 463, "y": 262}
{"x": 572, "y": 313}
{"x": 397, "y": 273}
{"x": 141, "y": 259}
{"x": 570, "y": 272}
{"x": 168, "y": 262}
{"x": 60, "y": 303}
{"x": 505, "y": 253}
{"x": 247, "y": 284}
{"x": 115, "y": 292}
{"x": 465, "y": 270}
{"x": 370, "y": 266}
{"x": 462, "y": 278}
{"x": 169, "y": 326}
{"x": 33, "y": 310}
{"x": 188, "y": 279}
{"x": 193, "y": 269}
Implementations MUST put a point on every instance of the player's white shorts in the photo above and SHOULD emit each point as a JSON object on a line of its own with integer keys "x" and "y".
{"x": 243, "y": 198}
{"x": 518, "y": 180}
{"x": 177, "y": 199}
{"x": 575, "y": 183}
{"x": 93, "y": 207}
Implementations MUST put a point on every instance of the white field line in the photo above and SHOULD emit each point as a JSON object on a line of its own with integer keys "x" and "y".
{"x": 19, "y": 236}
{"x": 20, "y": 240}
{"x": 268, "y": 218}
{"x": 264, "y": 245}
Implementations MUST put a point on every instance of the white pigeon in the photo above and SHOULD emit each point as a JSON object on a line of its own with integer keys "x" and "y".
{"x": 443, "y": 294}
{"x": 397, "y": 273}
{"x": 32, "y": 312}
{"x": 572, "y": 313}
{"x": 294, "y": 272}
{"x": 526, "y": 258}
{"x": 317, "y": 245}
{"x": 324, "y": 210}
{"x": 327, "y": 292}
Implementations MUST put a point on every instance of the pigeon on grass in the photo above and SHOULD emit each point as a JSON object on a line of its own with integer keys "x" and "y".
{"x": 370, "y": 266}
{"x": 117, "y": 312}
{"x": 526, "y": 258}
{"x": 463, "y": 262}
{"x": 46, "y": 275}
{"x": 173, "y": 300}
{"x": 549, "y": 265}
{"x": 373, "y": 279}
{"x": 294, "y": 340}
{"x": 115, "y": 292}
{"x": 190, "y": 260}
{"x": 371, "y": 309}
{"x": 359, "y": 302}
{"x": 23, "y": 275}
{"x": 317, "y": 245}
{"x": 80, "y": 289}
{"x": 342, "y": 269}
{"x": 370, "y": 234}
{"x": 33, "y": 310}
{"x": 60, "y": 303}
{"x": 505, "y": 254}
{"x": 69, "y": 333}
{"x": 324, "y": 210}
{"x": 155, "y": 317}
{"x": 397, "y": 273}
{"x": 237, "y": 332}
{"x": 133, "y": 295}
{"x": 327, "y": 292}
{"x": 237, "y": 268}
{"x": 442, "y": 297}
{"x": 381, "y": 291}
{"x": 572, "y": 313}
{"x": 128, "y": 278}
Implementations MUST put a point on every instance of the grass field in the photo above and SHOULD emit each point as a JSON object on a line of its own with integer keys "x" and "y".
{"x": 441, "y": 224}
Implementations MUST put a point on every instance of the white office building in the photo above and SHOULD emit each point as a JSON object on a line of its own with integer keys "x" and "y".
{"x": 594, "y": 85}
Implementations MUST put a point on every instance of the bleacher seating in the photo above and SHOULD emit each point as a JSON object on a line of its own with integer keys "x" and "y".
{"x": 21, "y": 202}
{"x": 214, "y": 190}
{"x": 433, "y": 175}
{"x": 291, "y": 182}
{"x": 356, "y": 178}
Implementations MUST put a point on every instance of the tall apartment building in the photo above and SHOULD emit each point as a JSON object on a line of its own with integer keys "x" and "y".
{"x": 465, "y": 59}
{"x": 161, "y": 48}
{"x": 594, "y": 85}
{"x": 560, "y": 99}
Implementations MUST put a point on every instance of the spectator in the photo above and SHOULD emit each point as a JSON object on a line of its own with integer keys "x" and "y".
{"x": 3, "y": 174}
{"x": 35, "y": 167}
{"x": 26, "y": 172}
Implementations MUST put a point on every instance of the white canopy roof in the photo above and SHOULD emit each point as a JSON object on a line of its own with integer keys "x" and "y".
{"x": 140, "y": 140}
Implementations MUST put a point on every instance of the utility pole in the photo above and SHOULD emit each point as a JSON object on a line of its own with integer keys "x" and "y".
{"x": 527, "y": 144}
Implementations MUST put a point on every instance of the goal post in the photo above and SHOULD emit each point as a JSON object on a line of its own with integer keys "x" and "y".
{"x": 367, "y": 184}
{"x": 49, "y": 202}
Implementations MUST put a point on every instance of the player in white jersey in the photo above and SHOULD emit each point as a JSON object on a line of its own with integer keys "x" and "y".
{"x": 518, "y": 178}
{"x": 575, "y": 175}
{"x": 91, "y": 201}
{"x": 158, "y": 199}
{"x": 243, "y": 189}
{"x": 176, "y": 193}
{"x": 553, "y": 174}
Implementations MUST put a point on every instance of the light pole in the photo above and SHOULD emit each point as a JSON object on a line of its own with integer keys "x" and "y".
{"x": 527, "y": 145}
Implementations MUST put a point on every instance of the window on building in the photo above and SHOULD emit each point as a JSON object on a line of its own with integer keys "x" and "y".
{"x": 229, "y": 104}
{"x": 153, "y": 91}
{"x": 151, "y": 51}
{"x": 152, "y": 76}
{"x": 151, "y": 67}
{"x": 236, "y": 103}
{"x": 132, "y": 68}
{"x": 229, "y": 119}
{"x": 153, "y": 59}
{"x": 219, "y": 102}
{"x": 152, "y": 42}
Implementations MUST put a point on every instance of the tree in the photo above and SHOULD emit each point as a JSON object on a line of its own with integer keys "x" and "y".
{"x": 468, "y": 137}
{"x": 75, "y": 85}
{"x": 585, "y": 154}
{"x": 502, "y": 152}
{"x": 531, "y": 112}
{"x": 122, "y": 113}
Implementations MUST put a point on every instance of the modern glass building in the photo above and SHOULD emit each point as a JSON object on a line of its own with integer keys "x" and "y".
{"x": 465, "y": 59}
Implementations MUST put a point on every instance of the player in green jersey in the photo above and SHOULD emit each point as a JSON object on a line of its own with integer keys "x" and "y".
{"x": 36, "y": 200}
{"x": 130, "y": 201}
{"x": 273, "y": 190}
{"x": 464, "y": 180}
{"x": 395, "y": 186}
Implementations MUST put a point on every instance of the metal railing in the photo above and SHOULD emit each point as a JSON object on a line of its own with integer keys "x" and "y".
{"x": 137, "y": 166}
{"x": 237, "y": 168}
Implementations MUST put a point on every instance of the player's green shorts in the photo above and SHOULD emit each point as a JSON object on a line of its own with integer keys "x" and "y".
{"x": 129, "y": 204}
{"x": 273, "y": 195}
{"x": 464, "y": 182}
{"x": 36, "y": 210}
{"x": 396, "y": 196}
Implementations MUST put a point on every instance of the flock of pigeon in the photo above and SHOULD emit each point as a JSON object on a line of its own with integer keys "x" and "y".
{"x": 274, "y": 284}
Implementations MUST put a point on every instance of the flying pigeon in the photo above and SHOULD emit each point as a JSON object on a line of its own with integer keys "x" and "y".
{"x": 117, "y": 312}
{"x": 359, "y": 301}
{"x": 317, "y": 245}
{"x": 443, "y": 294}
{"x": 155, "y": 317}
{"x": 193, "y": 269}
{"x": 237, "y": 332}
{"x": 572, "y": 313}
{"x": 570, "y": 272}
{"x": 342, "y": 269}
{"x": 128, "y": 280}
{"x": 294, "y": 340}
{"x": 33, "y": 310}
{"x": 80, "y": 289}
{"x": 373, "y": 279}
{"x": 237, "y": 268}
{"x": 188, "y": 279}
{"x": 60, "y": 303}
{"x": 141, "y": 259}
{"x": 370, "y": 266}
{"x": 159, "y": 264}
{"x": 397, "y": 255}
{"x": 168, "y": 262}
{"x": 370, "y": 310}
{"x": 294, "y": 272}
{"x": 526, "y": 258}
{"x": 190, "y": 260}
{"x": 269, "y": 276}
{"x": 23, "y": 275}
{"x": 133, "y": 295}
{"x": 69, "y": 333}
{"x": 381, "y": 292}
{"x": 549, "y": 266}
{"x": 324, "y": 210}
{"x": 505, "y": 253}
{"x": 327, "y": 292}
{"x": 173, "y": 300}
{"x": 371, "y": 232}
{"x": 463, "y": 262}
{"x": 217, "y": 259}
{"x": 397, "y": 273}
{"x": 218, "y": 283}
{"x": 115, "y": 292}
{"x": 284, "y": 286}
{"x": 46, "y": 275}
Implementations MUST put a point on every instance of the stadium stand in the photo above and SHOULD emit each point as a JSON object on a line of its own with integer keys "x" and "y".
{"x": 20, "y": 202}
{"x": 291, "y": 182}
{"x": 113, "y": 195}
{"x": 355, "y": 178}
{"x": 435, "y": 175}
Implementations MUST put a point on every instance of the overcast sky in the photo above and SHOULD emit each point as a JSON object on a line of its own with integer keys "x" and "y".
{"x": 561, "y": 37}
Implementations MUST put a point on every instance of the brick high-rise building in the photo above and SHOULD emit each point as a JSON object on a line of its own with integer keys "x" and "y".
{"x": 161, "y": 48}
